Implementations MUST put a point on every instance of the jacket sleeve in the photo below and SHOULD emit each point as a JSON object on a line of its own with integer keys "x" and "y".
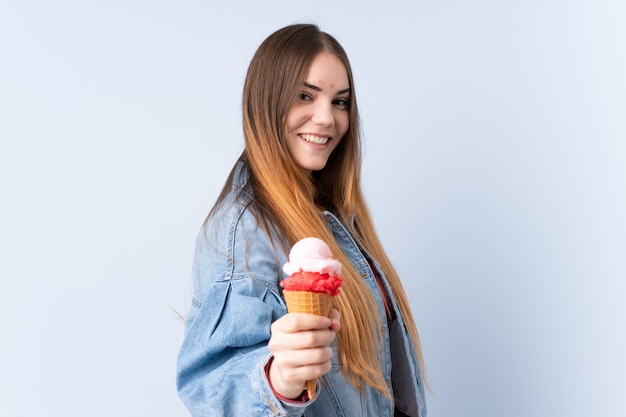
{"x": 235, "y": 300}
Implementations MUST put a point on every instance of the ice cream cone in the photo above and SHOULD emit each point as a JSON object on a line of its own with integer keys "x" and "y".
{"x": 314, "y": 279}
{"x": 308, "y": 302}
{"x": 311, "y": 303}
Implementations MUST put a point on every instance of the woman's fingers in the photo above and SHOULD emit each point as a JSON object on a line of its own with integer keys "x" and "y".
{"x": 296, "y": 322}
{"x": 304, "y": 357}
{"x": 301, "y": 331}
{"x": 301, "y": 340}
{"x": 291, "y": 369}
{"x": 335, "y": 320}
{"x": 299, "y": 344}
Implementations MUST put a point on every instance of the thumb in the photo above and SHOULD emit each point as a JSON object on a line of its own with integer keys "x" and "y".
{"x": 335, "y": 319}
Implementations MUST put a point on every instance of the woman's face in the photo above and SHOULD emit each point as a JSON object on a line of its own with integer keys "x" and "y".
{"x": 320, "y": 117}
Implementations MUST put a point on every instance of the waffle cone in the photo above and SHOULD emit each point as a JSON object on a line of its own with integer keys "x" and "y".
{"x": 308, "y": 302}
{"x": 311, "y": 303}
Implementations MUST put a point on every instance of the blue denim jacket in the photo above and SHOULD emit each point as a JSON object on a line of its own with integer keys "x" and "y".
{"x": 236, "y": 297}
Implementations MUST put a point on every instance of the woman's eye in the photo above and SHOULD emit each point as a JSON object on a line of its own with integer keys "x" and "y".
{"x": 342, "y": 103}
{"x": 304, "y": 97}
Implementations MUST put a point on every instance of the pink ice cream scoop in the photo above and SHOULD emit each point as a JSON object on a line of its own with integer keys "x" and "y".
{"x": 312, "y": 268}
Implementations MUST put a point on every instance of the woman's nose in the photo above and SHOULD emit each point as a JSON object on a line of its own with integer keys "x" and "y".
{"x": 323, "y": 115}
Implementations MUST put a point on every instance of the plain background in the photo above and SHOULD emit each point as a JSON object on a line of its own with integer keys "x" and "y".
{"x": 495, "y": 167}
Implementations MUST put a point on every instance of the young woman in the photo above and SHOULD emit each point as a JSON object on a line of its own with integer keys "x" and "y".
{"x": 299, "y": 176}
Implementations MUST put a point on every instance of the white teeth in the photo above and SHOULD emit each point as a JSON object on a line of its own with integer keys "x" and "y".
{"x": 318, "y": 140}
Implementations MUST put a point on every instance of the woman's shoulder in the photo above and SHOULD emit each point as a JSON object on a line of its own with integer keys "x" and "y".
{"x": 234, "y": 209}
{"x": 238, "y": 242}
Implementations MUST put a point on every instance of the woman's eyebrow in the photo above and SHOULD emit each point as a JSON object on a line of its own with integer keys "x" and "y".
{"x": 316, "y": 88}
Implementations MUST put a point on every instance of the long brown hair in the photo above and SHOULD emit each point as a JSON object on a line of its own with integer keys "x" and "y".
{"x": 288, "y": 199}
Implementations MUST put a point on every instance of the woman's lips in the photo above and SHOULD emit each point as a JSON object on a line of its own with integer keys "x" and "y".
{"x": 315, "y": 139}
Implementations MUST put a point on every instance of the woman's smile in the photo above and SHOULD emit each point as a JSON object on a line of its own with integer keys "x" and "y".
{"x": 314, "y": 139}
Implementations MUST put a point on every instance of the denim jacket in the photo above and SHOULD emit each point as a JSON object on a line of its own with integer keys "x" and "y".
{"x": 236, "y": 297}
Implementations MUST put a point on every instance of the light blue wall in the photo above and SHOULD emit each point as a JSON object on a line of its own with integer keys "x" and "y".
{"x": 494, "y": 164}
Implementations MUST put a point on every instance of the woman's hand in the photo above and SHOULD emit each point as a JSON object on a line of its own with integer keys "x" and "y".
{"x": 299, "y": 343}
